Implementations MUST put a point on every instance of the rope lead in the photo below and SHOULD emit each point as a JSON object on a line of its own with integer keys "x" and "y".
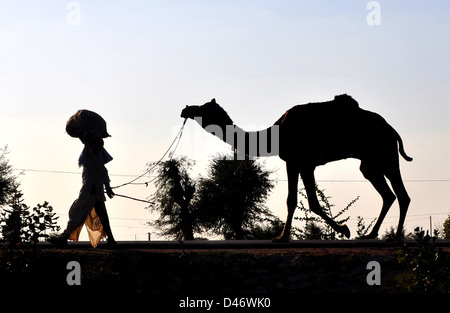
{"x": 180, "y": 133}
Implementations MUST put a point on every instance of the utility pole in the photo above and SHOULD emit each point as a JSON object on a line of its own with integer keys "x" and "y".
{"x": 431, "y": 230}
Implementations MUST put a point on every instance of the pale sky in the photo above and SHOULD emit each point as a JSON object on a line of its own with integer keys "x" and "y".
{"x": 138, "y": 63}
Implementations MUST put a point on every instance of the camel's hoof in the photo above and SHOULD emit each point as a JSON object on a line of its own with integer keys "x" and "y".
{"x": 344, "y": 230}
{"x": 370, "y": 236}
{"x": 280, "y": 239}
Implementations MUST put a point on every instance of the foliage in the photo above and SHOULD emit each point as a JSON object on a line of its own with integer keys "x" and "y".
{"x": 428, "y": 266}
{"x": 19, "y": 224}
{"x": 391, "y": 234}
{"x": 231, "y": 199}
{"x": 8, "y": 182}
{"x": 362, "y": 230}
{"x": 446, "y": 230}
{"x": 313, "y": 231}
{"x": 228, "y": 202}
{"x": 172, "y": 199}
{"x": 316, "y": 227}
{"x": 266, "y": 230}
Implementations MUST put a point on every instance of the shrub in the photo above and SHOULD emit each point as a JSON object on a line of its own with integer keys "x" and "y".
{"x": 428, "y": 266}
{"x": 19, "y": 224}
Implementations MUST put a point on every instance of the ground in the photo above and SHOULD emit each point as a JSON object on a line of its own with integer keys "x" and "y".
{"x": 184, "y": 270}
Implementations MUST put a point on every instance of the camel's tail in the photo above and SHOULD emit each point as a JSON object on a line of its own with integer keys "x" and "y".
{"x": 401, "y": 149}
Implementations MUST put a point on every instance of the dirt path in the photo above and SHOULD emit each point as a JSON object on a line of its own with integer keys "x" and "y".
{"x": 141, "y": 269}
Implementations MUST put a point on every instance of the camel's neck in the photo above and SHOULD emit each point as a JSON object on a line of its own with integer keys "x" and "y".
{"x": 261, "y": 143}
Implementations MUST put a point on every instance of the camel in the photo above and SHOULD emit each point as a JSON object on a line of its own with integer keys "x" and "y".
{"x": 313, "y": 134}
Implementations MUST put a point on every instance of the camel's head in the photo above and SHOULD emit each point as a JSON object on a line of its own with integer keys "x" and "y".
{"x": 207, "y": 114}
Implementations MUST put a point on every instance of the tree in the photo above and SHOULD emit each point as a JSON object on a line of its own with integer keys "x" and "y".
{"x": 231, "y": 199}
{"x": 14, "y": 221}
{"x": 172, "y": 199}
{"x": 18, "y": 222}
{"x": 315, "y": 227}
{"x": 8, "y": 182}
{"x": 447, "y": 228}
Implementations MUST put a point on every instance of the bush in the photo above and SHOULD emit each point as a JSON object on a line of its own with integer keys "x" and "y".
{"x": 428, "y": 266}
{"x": 19, "y": 224}
{"x": 231, "y": 200}
{"x": 362, "y": 230}
{"x": 316, "y": 227}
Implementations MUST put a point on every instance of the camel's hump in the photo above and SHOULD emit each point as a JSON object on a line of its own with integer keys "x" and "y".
{"x": 346, "y": 100}
{"x": 340, "y": 105}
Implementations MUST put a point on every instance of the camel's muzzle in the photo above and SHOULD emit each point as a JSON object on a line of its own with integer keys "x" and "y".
{"x": 189, "y": 111}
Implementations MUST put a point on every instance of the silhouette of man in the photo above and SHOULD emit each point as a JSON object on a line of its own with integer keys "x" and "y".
{"x": 89, "y": 208}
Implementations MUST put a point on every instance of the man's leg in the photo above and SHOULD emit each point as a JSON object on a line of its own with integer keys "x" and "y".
{"x": 100, "y": 209}
{"x": 77, "y": 215}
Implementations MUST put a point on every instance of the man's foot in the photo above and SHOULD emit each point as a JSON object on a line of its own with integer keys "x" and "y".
{"x": 281, "y": 239}
{"x": 111, "y": 244}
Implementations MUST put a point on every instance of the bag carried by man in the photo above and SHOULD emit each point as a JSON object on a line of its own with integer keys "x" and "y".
{"x": 86, "y": 124}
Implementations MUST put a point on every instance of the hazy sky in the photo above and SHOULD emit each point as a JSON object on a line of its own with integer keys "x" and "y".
{"x": 138, "y": 63}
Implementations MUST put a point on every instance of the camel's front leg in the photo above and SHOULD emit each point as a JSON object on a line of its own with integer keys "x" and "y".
{"x": 292, "y": 174}
{"x": 314, "y": 205}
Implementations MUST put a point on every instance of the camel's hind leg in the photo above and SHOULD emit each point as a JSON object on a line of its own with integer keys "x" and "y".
{"x": 375, "y": 175}
{"x": 395, "y": 178}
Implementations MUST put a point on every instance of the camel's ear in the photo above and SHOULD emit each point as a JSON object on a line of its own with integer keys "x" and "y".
{"x": 213, "y": 100}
